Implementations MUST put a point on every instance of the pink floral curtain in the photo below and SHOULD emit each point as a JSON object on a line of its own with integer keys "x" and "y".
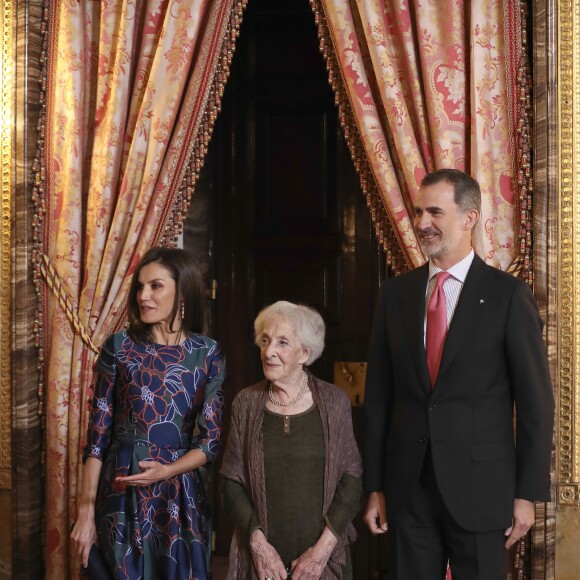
{"x": 132, "y": 89}
{"x": 425, "y": 85}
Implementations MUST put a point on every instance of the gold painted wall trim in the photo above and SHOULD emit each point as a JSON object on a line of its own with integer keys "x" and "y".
{"x": 6, "y": 173}
{"x": 568, "y": 409}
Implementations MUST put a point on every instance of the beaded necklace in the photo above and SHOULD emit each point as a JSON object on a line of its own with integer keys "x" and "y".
{"x": 295, "y": 400}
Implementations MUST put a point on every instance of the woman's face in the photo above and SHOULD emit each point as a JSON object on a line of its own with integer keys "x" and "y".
{"x": 282, "y": 354}
{"x": 155, "y": 294}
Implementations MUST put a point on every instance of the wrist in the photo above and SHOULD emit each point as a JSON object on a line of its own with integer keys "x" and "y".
{"x": 86, "y": 512}
{"x": 170, "y": 470}
{"x": 256, "y": 537}
{"x": 327, "y": 541}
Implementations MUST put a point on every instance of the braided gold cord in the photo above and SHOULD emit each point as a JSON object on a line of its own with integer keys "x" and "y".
{"x": 54, "y": 283}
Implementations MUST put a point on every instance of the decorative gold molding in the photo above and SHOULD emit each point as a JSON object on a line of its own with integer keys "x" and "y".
{"x": 568, "y": 418}
{"x": 6, "y": 174}
{"x": 568, "y": 494}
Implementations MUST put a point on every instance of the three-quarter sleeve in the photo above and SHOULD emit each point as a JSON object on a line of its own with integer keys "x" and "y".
{"x": 102, "y": 405}
{"x": 209, "y": 421}
{"x": 345, "y": 504}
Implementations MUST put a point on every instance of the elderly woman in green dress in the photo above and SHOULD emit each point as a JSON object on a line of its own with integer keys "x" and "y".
{"x": 291, "y": 473}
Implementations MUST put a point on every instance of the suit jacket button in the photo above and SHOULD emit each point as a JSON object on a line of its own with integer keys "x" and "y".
{"x": 432, "y": 408}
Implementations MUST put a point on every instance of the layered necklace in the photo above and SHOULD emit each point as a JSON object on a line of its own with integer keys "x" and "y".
{"x": 295, "y": 400}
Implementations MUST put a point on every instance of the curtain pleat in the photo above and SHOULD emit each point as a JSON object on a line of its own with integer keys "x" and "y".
{"x": 424, "y": 85}
{"x": 133, "y": 89}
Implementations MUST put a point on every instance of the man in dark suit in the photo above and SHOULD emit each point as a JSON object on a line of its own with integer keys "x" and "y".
{"x": 447, "y": 469}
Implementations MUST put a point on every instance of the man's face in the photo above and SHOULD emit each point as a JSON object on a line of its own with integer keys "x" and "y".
{"x": 443, "y": 228}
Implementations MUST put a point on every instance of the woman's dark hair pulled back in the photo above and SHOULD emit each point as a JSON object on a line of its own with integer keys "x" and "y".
{"x": 189, "y": 290}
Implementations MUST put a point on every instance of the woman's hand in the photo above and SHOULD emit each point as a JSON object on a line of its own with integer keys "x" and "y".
{"x": 151, "y": 472}
{"x": 266, "y": 559}
{"x": 311, "y": 564}
{"x": 84, "y": 532}
{"x": 83, "y": 536}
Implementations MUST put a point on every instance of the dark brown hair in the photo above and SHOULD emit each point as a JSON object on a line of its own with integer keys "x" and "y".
{"x": 466, "y": 191}
{"x": 189, "y": 289}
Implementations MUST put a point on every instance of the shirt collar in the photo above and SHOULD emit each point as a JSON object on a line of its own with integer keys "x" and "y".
{"x": 458, "y": 271}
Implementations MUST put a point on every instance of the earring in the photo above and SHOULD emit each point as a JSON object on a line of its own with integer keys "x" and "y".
{"x": 182, "y": 311}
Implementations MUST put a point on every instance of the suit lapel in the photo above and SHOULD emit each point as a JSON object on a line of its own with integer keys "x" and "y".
{"x": 414, "y": 294}
{"x": 467, "y": 312}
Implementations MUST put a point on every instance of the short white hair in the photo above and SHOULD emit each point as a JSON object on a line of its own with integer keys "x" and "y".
{"x": 307, "y": 322}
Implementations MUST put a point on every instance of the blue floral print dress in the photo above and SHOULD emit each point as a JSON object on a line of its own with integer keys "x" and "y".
{"x": 154, "y": 402}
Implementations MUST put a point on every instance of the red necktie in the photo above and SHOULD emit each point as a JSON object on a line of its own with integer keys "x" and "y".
{"x": 436, "y": 326}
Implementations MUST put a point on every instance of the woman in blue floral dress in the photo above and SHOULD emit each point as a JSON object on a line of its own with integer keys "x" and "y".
{"x": 156, "y": 419}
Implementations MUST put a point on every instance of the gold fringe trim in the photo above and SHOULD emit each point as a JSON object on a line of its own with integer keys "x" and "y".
{"x": 386, "y": 233}
{"x": 178, "y": 214}
{"x": 40, "y": 207}
{"x": 521, "y": 117}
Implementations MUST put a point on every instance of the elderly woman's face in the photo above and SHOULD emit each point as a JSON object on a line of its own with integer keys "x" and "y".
{"x": 282, "y": 354}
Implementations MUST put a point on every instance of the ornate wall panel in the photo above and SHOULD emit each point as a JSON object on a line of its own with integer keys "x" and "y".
{"x": 6, "y": 175}
{"x": 568, "y": 449}
{"x": 27, "y": 492}
{"x": 545, "y": 14}
{"x": 6, "y": 150}
{"x": 567, "y": 473}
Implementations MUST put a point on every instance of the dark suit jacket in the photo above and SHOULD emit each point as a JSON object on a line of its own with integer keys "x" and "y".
{"x": 494, "y": 358}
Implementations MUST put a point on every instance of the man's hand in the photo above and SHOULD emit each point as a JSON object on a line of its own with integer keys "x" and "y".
{"x": 375, "y": 516}
{"x": 524, "y": 517}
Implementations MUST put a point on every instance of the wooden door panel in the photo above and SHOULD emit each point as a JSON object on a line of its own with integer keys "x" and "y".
{"x": 314, "y": 281}
{"x": 284, "y": 45}
{"x": 294, "y": 182}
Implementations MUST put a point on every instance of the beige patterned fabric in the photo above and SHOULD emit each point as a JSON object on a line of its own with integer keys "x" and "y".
{"x": 426, "y": 87}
